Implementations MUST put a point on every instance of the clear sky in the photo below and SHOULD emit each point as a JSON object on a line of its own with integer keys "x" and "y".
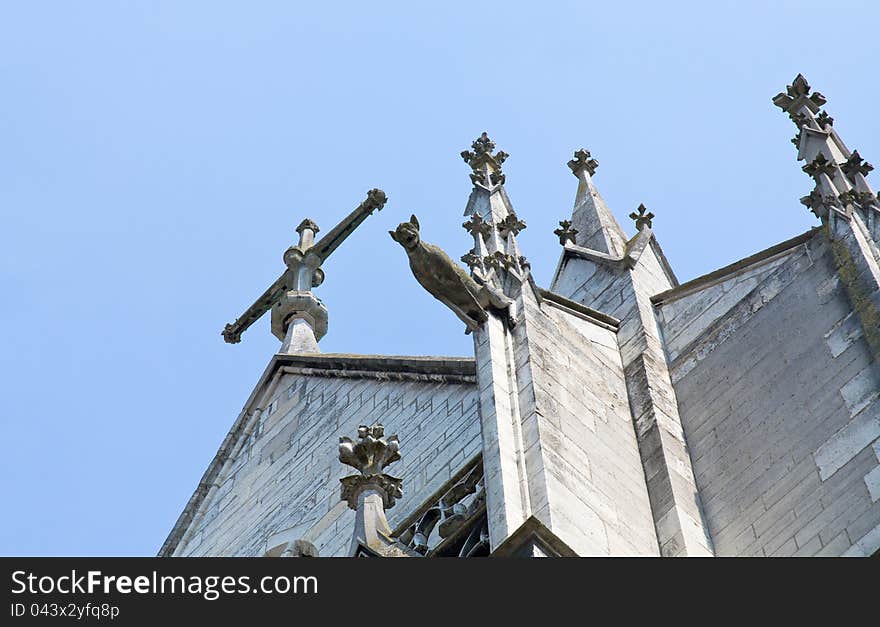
{"x": 155, "y": 158}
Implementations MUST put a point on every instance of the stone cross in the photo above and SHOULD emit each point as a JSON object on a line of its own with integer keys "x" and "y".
{"x": 294, "y": 307}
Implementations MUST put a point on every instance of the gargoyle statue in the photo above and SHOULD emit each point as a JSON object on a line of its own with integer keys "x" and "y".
{"x": 448, "y": 282}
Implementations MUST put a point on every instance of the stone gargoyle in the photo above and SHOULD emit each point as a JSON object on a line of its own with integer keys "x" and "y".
{"x": 446, "y": 281}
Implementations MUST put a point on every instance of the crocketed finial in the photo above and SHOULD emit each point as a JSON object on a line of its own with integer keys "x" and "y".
{"x": 642, "y": 218}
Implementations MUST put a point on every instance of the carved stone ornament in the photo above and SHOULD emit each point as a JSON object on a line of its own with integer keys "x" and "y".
{"x": 824, "y": 120}
{"x": 815, "y": 203}
{"x": 481, "y": 151}
{"x": 472, "y": 260}
{"x": 583, "y": 161}
{"x": 511, "y": 224}
{"x": 499, "y": 260}
{"x": 565, "y": 232}
{"x": 476, "y": 225}
{"x": 370, "y": 455}
{"x": 448, "y": 282}
{"x": 798, "y": 94}
{"x": 303, "y": 271}
{"x": 855, "y": 197}
{"x": 641, "y": 218}
{"x": 483, "y": 162}
{"x": 820, "y": 165}
{"x": 856, "y": 165}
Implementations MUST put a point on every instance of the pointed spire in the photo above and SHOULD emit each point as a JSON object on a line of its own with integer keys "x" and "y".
{"x": 492, "y": 221}
{"x": 591, "y": 220}
{"x": 839, "y": 174}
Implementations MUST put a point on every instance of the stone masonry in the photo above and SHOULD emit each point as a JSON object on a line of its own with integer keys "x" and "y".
{"x": 616, "y": 412}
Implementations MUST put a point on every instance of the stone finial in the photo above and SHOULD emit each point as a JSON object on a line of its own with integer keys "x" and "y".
{"x": 524, "y": 263}
{"x": 375, "y": 200}
{"x": 856, "y": 165}
{"x": 641, "y": 218}
{"x": 307, "y": 224}
{"x": 483, "y": 161}
{"x": 798, "y": 94}
{"x": 370, "y": 456}
{"x": 583, "y": 161}
{"x": 511, "y": 224}
{"x": 819, "y": 165}
{"x": 372, "y": 453}
{"x": 565, "y": 232}
{"x": 476, "y": 225}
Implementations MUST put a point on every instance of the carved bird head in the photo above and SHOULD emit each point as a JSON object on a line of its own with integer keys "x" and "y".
{"x": 407, "y": 234}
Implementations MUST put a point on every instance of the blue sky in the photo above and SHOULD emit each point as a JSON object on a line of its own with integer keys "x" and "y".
{"x": 155, "y": 158}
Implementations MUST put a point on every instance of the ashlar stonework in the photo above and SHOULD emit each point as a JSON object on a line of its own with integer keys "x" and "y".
{"x": 614, "y": 412}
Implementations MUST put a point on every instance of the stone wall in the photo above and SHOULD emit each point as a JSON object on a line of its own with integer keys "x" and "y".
{"x": 282, "y": 483}
{"x": 778, "y": 395}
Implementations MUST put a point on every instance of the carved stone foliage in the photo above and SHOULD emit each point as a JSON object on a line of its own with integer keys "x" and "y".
{"x": 798, "y": 94}
{"x": 856, "y": 165}
{"x": 824, "y": 120}
{"x": 820, "y": 165}
{"x": 511, "y": 224}
{"x": 583, "y": 161}
{"x": 565, "y": 232}
{"x": 456, "y": 524}
{"x": 815, "y": 203}
{"x": 370, "y": 455}
{"x": 499, "y": 260}
{"x": 476, "y": 225}
{"x": 481, "y": 152}
{"x": 471, "y": 260}
{"x": 642, "y": 218}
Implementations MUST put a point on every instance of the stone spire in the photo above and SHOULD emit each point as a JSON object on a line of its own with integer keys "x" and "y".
{"x": 299, "y": 318}
{"x": 842, "y": 199}
{"x": 841, "y": 188}
{"x": 591, "y": 220}
{"x": 494, "y": 225}
{"x": 372, "y": 491}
